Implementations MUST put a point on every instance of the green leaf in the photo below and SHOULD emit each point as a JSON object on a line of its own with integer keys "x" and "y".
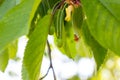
{"x": 103, "y": 25}
{"x": 8, "y": 53}
{"x": 4, "y": 57}
{"x": 83, "y": 49}
{"x": 45, "y": 5}
{"x": 6, "y": 6}
{"x": 113, "y": 6}
{"x": 70, "y": 42}
{"x": 98, "y": 51}
{"x": 64, "y": 34}
{"x": 51, "y": 3}
{"x": 69, "y": 45}
{"x": 77, "y": 19}
{"x": 76, "y": 77}
{"x": 35, "y": 50}
{"x": 17, "y": 21}
{"x": 1, "y": 1}
{"x": 12, "y": 49}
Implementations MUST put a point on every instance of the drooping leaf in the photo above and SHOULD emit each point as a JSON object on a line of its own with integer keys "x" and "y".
{"x": 103, "y": 25}
{"x": 83, "y": 49}
{"x": 4, "y": 57}
{"x": 17, "y": 21}
{"x": 6, "y": 6}
{"x": 41, "y": 11}
{"x": 8, "y": 53}
{"x": 70, "y": 43}
{"x": 77, "y": 19}
{"x": 98, "y": 51}
{"x": 35, "y": 49}
{"x": 43, "y": 8}
{"x": 113, "y": 6}
{"x": 12, "y": 49}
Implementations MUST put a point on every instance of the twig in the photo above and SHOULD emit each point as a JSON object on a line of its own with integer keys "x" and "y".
{"x": 45, "y": 74}
{"x": 51, "y": 65}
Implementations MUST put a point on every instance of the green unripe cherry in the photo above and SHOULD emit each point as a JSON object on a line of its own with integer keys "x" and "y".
{"x": 59, "y": 43}
{"x": 51, "y": 30}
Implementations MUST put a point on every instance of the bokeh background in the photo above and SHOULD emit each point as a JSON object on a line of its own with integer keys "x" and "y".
{"x": 65, "y": 68}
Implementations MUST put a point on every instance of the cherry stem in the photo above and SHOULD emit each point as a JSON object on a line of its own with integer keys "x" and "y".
{"x": 51, "y": 64}
{"x": 57, "y": 6}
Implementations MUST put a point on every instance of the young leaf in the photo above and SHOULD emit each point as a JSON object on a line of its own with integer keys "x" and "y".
{"x": 103, "y": 25}
{"x": 6, "y": 54}
{"x": 35, "y": 50}
{"x": 98, "y": 51}
{"x": 12, "y": 49}
{"x": 4, "y": 57}
{"x": 17, "y": 21}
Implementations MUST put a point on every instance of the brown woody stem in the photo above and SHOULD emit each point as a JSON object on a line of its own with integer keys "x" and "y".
{"x": 51, "y": 64}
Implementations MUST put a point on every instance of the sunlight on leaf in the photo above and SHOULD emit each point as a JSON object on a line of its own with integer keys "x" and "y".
{"x": 6, "y": 6}
{"x": 104, "y": 26}
{"x": 35, "y": 50}
{"x": 113, "y": 6}
{"x": 12, "y": 49}
{"x": 4, "y": 57}
{"x": 17, "y": 21}
{"x": 8, "y": 53}
{"x": 98, "y": 51}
